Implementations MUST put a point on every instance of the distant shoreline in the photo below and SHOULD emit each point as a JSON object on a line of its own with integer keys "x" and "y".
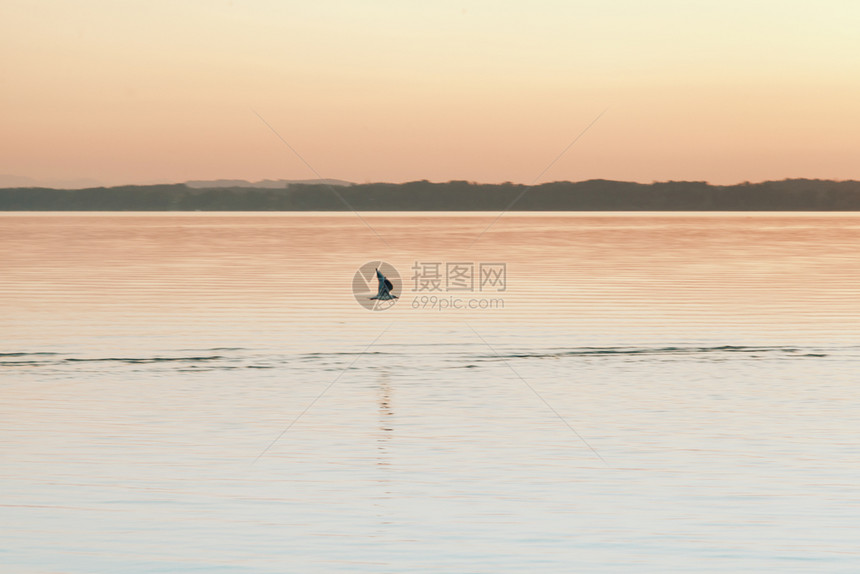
{"x": 592, "y": 195}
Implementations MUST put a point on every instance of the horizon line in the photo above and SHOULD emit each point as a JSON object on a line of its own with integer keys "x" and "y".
{"x": 345, "y": 183}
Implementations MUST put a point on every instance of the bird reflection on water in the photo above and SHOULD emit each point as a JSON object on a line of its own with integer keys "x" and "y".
{"x": 385, "y": 415}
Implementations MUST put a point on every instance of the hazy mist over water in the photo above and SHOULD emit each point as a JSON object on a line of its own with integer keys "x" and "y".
{"x": 649, "y": 392}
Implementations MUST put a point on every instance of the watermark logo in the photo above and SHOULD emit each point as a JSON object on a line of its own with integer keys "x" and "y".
{"x": 445, "y": 285}
{"x": 377, "y": 285}
{"x": 434, "y": 285}
{"x": 451, "y": 303}
{"x": 459, "y": 276}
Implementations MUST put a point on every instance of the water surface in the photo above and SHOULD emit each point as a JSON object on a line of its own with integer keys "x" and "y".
{"x": 655, "y": 392}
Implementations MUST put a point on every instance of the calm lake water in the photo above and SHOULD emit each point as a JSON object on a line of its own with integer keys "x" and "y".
{"x": 650, "y": 392}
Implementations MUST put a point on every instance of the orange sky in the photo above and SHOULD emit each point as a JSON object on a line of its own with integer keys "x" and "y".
{"x": 139, "y": 92}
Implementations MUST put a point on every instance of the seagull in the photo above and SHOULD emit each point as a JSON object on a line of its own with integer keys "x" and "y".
{"x": 385, "y": 288}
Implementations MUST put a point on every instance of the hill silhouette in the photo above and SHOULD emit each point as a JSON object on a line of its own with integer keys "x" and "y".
{"x": 263, "y": 183}
{"x": 592, "y": 195}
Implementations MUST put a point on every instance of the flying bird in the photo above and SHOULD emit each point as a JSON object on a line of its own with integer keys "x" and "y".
{"x": 385, "y": 287}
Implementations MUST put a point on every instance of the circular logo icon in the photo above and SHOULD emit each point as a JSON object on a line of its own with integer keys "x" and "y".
{"x": 376, "y": 285}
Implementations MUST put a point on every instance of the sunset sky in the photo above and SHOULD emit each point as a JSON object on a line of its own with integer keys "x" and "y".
{"x": 163, "y": 91}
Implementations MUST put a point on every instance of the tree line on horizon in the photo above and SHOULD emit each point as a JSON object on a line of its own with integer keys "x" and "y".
{"x": 592, "y": 195}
